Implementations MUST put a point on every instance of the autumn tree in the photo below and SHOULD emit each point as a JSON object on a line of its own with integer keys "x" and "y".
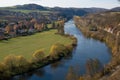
{"x": 58, "y": 49}
{"x": 53, "y": 25}
{"x": 10, "y": 62}
{"x": 81, "y": 78}
{"x": 45, "y": 27}
{"x": 16, "y": 63}
{"x": 38, "y": 55}
{"x": 60, "y": 27}
{"x": 7, "y": 29}
{"x": 22, "y": 64}
{"x": 2, "y": 68}
{"x": 71, "y": 75}
{"x": 93, "y": 66}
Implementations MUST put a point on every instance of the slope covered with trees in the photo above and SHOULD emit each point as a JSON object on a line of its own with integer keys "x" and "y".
{"x": 104, "y": 27}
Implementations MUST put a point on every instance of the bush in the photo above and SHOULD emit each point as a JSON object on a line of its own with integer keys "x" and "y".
{"x": 22, "y": 64}
{"x": 38, "y": 55}
{"x": 58, "y": 50}
{"x": 10, "y": 62}
{"x": 70, "y": 48}
{"x": 2, "y": 69}
{"x": 16, "y": 64}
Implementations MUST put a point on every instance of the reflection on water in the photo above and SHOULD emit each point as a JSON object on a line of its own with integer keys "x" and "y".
{"x": 74, "y": 64}
{"x": 73, "y": 73}
{"x": 39, "y": 73}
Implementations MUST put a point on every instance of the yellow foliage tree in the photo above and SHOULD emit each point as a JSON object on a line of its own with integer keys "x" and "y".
{"x": 81, "y": 78}
{"x": 2, "y": 67}
{"x": 16, "y": 63}
{"x": 58, "y": 49}
{"x": 10, "y": 61}
{"x": 7, "y": 29}
{"x": 21, "y": 61}
{"x": 38, "y": 55}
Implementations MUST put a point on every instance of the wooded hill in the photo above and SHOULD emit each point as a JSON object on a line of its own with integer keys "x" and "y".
{"x": 30, "y": 8}
{"x": 105, "y": 27}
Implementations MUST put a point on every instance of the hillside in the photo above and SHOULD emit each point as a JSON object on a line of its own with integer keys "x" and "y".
{"x": 106, "y": 28}
{"x": 116, "y": 9}
{"x": 30, "y": 7}
{"x": 65, "y": 12}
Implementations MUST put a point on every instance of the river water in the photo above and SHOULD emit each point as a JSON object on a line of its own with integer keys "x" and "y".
{"x": 86, "y": 49}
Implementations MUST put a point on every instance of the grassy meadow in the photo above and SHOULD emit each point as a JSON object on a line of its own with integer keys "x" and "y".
{"x": 27, "y": 45}
{"x": 28, "y": 11}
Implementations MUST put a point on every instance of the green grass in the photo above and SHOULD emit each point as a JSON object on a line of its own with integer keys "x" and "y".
{"x": 44, "y": 12}
{"x": 28, "y": 11}
{"x": 23, "y": 11}
{"x": 27, "y": 45}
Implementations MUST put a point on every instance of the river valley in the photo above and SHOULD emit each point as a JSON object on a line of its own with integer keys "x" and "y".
{"x": 87, "y": 48}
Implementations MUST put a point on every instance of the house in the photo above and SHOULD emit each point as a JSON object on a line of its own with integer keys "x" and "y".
{"x": 38, "y": 27}
{"x": 10, "y": 29}
{"x": 31, "y": 31}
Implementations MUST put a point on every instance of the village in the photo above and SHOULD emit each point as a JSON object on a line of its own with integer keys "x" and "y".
{"x": 24, "y": 25}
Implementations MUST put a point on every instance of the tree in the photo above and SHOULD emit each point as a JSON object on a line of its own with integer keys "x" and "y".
{"x": 53, "y": 25}
{"x": 7, "y": 29}
{"x": 22, "y": 64}
{"x": 72, "y": 75}
{"x": 81, "y": 78}
{"x": 93, "y": 66}
{"x": 2, "y": 68}
{"x": 38, "y": 55}
{"x": 45, "y": 27}
{"x": 58, "y": 50}
{"x": 16, "y": 63}
{"x": 60, "y": 27}
{"x": 10, "y": 62}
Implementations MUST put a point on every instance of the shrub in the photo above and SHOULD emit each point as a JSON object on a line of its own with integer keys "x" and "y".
{"x": 10, "y": 62}
{"x": 81, "y": 78}
{"x": 58, "y": 50}
{"x": 22, "y": 64}
{"x": 16, "y": 64}
{"x": 38, "y": 55}
{"x": 70, "y": 48}
{"x": 2, "y": 68}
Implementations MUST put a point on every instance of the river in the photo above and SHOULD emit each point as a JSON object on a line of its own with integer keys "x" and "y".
{"x": 86, "y": 49}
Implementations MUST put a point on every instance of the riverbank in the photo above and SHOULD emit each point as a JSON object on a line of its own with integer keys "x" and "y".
{"x": 111, "y": 40}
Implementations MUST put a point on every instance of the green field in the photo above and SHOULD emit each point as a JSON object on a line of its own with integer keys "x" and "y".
{"x": 27, "y": 45}
{"x": 28, "y": 11}
{"x": 44, "y": 12}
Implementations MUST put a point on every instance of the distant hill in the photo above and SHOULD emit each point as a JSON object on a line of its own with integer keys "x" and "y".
{"x": 30, "y": 7}
{"x": 116, "y": 9}
{"x": 69, "y": 12}
{"x": 65, "y": 12}
{"x": 88, "y": 10}
{"x": 94, "y": 10}
{"x": 76, "y": 11}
